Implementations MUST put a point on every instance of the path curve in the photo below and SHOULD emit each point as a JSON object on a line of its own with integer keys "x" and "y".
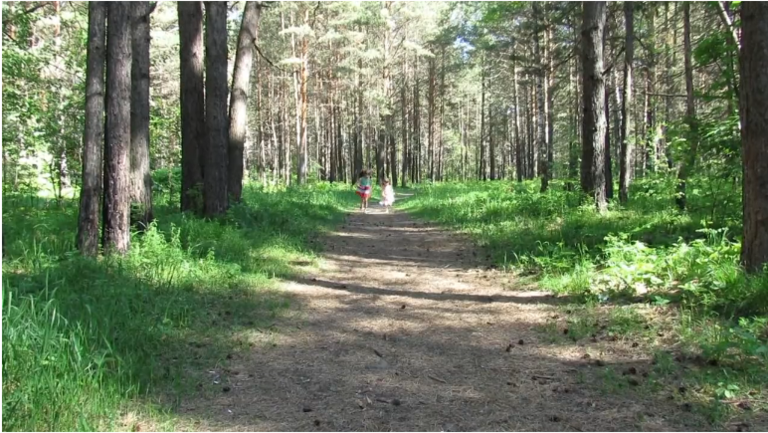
{"x": 405, "y": 328}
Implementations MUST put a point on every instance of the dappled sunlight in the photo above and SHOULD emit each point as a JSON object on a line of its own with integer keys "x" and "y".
{"x": 384, "y": 345}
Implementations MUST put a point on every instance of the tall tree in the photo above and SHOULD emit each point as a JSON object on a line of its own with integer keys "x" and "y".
{"x": 594, "y": 123}
{"x": 93, "y": 137}
{"x": 192, "y": 97}
{"x": 625, "y": 159}
{"x": 238, "y": 102}
{"x": 141, "y": 178}
{"x": 404, "y": 123}
{"x": 690, "y": 111}
{"x": 754, "y": 133}
{"x": 518, "y": 140}
{"x": 117, "y": 198}
{"x": 542, "y": 140}
{"x": 216, "y": 200}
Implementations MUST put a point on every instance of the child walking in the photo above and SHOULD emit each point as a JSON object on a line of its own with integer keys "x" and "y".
{"x": 387, "y": 195}
{"x": 364, "y": 189}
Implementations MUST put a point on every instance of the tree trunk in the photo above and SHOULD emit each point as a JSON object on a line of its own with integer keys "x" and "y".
{"x": 359, "y": 123}
{"x": 441, "y": 142}
{"x": 117, "y": 193}
{"x": 608, "y": 168}
{"x": 481, "y": 163}
{"x": 216, "y": 89}
{"x": 416, "y": 131}
{"x": 594, "y": 124}
{"x": 404, "y": 123}
{"x": 754, "y": 133}
{"x": 491, "y": 144}
{"x": 518, "y": 141}
{"x": 533, "y": 150}
{"x": 238, "y": 102}
{"x": 303, "y": 78}
{"x": 431, "y": 118}
{"x": 193, "y": 131}
{"x": 541, "y": 99}
{"x": 651, "y": 153}
{"x": 93, "y": 137}
{"x": 625, "y": 158}
{"x": 550, "y": 100}
{"x": 690, "y": 112}
{"x": 573, "y": 154}
{"x": 140, "y": 177}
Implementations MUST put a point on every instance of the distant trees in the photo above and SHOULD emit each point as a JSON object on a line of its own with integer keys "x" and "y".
{"x": 330, "y": 89}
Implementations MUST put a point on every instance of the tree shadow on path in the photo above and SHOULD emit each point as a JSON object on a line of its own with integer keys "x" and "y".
{"x": 372, "y": 348}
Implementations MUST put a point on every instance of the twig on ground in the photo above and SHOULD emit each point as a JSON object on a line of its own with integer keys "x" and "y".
{"x": 437, "y": 379}
{"x": 538, "y": 376}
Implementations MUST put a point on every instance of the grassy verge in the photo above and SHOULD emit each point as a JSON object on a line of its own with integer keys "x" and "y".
{"x": 99, "y": 344}
{"x": 645, "y": 272}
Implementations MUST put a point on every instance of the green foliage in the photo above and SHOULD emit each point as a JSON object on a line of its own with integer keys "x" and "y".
{"x": 83, "y": 338}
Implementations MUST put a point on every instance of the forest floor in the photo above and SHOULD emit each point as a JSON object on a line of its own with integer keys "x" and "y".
{"x": 405, "y": 326}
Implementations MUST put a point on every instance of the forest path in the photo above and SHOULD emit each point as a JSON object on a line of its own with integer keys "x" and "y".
{"x": 404, "y": 328}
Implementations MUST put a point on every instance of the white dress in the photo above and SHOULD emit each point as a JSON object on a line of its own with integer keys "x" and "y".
{"x": 387, "y": 196}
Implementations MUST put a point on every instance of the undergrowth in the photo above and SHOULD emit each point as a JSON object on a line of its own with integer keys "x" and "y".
{"x": 646, "y": 252}
{"x": 87, "y": 341}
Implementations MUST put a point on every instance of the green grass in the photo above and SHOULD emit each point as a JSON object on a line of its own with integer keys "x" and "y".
{"x": 86, "y": 341}
{"x": 685, "y": 264}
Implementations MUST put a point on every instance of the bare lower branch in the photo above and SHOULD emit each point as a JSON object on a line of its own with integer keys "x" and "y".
{"x": 733, "y": 38}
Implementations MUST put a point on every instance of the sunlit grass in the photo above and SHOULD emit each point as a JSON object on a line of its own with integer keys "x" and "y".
{"x": 647, "y": 251}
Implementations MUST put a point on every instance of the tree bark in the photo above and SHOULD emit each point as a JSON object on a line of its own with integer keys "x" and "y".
{"x": 193, "y": 131}
{"x": 216, "y": 89}
{"x": 754, "y": 133}
{"x": 93, "y": 137}
{"x": 594, "y": 124}
{"x": 117, "y": 194}
{"x": 690, "y": 112}
{"x": 141, "y": 178}
{"x": 238, "y": 102}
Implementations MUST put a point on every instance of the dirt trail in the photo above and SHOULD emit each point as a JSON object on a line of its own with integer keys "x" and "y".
{"x": 405, "y": 328}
